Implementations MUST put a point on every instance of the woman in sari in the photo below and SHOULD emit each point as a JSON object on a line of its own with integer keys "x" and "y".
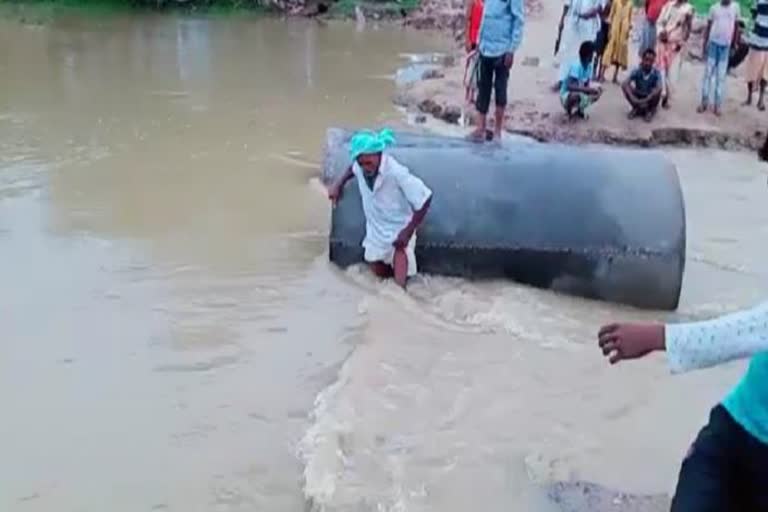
{"x": 617, "y": 50}
{"x": 673, "y": 28}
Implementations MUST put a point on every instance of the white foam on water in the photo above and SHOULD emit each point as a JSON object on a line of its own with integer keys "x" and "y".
{"x": 458, "y": 389}
{"x": 462, "y": 395}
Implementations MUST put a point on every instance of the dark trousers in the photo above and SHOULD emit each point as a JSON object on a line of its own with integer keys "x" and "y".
{"x": 494, "y": 75}
{"x": 726, "y": 470}
{"x": 651, "y": 106}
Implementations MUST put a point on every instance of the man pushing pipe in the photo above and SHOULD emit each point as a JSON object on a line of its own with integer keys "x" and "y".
{"x": 395, "y": 203}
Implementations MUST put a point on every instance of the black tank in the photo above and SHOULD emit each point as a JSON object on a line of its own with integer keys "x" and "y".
{"x": 594, "y": 221}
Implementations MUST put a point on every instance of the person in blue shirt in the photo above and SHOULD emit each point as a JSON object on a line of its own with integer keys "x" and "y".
{"x": 643, "y": 87}
{"x": 576, "y": 94}
{"x": 501, "y": 32}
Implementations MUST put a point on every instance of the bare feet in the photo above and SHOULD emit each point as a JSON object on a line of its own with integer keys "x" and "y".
{"x": 702, "y": 108}
{"x": 760, "y": 106}
{"x": 748, "y": 102}
{"x": 477, "y": 135}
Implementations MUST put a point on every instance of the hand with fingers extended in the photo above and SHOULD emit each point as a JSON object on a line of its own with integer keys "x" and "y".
{"x": 630, "y": 341}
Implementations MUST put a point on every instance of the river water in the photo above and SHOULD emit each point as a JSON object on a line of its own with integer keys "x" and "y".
{"x": 173, "y": 337}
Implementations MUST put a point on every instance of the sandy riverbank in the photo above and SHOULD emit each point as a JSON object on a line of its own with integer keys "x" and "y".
{"x": 535, "y": 111}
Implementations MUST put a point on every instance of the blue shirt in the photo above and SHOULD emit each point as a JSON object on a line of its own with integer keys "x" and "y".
{"x": 578, "y": 72}
{"x": 645, "y": 83}
{"x": 734, "y": 336}
{"x": 501, "y": 30}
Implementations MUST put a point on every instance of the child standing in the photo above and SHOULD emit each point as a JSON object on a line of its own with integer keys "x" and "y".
{"x": 720, "y": 33}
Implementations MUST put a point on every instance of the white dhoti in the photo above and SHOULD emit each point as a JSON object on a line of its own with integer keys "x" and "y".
{"x": 577, "y": 30}
{"x": 574, "y": 34}
{"x": 386, "y": 254}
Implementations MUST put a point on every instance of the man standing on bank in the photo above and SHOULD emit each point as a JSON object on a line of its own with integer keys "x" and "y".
{"x": 501, "y": 33}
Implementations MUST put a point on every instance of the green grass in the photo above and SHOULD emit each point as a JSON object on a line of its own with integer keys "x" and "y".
{"x": 43, "y": 11}
{"x": 702, "y": 6}
{"x": 346, "y": 8}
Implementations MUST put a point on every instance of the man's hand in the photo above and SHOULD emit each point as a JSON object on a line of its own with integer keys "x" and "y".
{"x": 401, "y": 242}
{"x": 334, "y": 193}
{"x": 509, "y": 59}
{"x": 630, "y": 341}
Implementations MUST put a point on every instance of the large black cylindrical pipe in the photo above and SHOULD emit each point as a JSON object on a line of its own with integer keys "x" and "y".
{"x": 603, "y": 223}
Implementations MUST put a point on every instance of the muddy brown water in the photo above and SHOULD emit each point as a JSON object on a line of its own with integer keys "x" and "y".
{"x": 169, "y": 316}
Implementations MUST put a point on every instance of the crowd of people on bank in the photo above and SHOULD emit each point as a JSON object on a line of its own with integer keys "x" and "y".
{"x": 594, "y": 37}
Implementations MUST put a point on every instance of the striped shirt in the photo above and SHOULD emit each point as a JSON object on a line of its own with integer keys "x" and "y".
{"x": 759, "y": 37}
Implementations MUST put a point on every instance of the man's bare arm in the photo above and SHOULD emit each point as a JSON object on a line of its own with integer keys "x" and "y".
{"x": 335, "y": 190}
{"x": 418, "y": 217}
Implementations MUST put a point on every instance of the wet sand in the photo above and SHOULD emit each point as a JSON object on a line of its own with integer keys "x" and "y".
{"x": 536, "y": 112}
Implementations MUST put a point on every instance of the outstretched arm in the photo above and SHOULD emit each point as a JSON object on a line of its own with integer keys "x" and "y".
{"x": 691, "y": 346}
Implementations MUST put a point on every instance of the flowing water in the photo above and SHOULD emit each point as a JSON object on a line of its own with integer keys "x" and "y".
{"x": 173, "y": 337}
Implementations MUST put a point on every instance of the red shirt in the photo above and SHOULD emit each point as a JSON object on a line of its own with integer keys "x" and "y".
{"x": 475, "y": 18}
{"x": 653, "y": 9}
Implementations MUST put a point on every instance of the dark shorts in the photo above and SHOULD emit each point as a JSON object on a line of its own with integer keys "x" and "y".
{"x": 493, "y": 75}
{"x": 726, "y": 470}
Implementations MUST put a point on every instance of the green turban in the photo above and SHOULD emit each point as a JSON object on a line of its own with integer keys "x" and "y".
{"x": 366, "y": 142}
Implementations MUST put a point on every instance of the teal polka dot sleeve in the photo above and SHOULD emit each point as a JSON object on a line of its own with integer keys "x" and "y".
{"x": 691, "y": 346}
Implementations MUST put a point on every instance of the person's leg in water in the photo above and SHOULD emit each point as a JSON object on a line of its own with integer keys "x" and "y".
{"x": 400, "y": 267}
{"x": 501, "y": 81}
{"x": 381, "y": 269}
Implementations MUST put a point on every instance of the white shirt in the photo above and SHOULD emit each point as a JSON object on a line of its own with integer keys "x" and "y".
{"x": 390, "y": 205}
{"x": 704, "y": 344}
{"x": 723, "y": 20}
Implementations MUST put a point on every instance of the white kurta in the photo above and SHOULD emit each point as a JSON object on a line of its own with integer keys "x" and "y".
{"x": 576, "y": 31}
{"x": 389, "y": 208}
